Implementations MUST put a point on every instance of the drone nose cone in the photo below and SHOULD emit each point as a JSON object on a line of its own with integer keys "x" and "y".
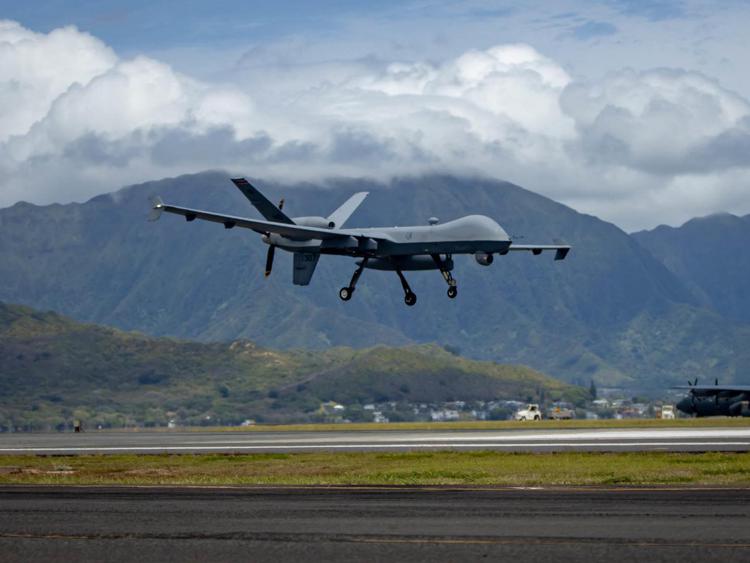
{"x": 489, "y": 228}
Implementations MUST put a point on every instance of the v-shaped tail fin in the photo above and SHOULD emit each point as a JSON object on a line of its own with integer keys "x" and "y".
{"x": 270, "y": 211}
{"x": 340, "y": 216}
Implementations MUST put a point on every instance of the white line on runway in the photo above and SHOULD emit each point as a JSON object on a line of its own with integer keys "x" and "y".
{"x": 376, "y": 446}
{"x": 519, "y": 436}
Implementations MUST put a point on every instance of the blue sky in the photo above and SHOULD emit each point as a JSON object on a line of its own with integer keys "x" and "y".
{"x": 619, "y": 107}
{"x": 635, "y": 33}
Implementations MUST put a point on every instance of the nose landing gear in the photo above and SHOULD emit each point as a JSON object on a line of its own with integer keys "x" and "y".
{"x": 447, "y": 276}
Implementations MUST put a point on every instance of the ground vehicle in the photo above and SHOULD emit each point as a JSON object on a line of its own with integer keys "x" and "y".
{"x": 561, "y": 413}
{"x": 667, "y": 412}
{"x": 531, "y": 412}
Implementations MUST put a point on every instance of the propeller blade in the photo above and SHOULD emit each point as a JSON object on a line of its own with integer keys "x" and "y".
{"x": 269, "y": 259}
{"x": 281, "y": 203}
{"x": 716, "y": 381}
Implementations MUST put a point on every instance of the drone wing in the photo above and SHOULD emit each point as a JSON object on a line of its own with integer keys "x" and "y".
{"x": 561, "y": 250}
{"x": 292, "y": 231}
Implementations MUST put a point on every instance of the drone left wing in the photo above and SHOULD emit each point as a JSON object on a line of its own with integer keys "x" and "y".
{"x": 561, "y": 250}
{"x": 292, "y": 231}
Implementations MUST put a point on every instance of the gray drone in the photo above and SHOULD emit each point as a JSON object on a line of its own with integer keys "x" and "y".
{"x": 396, "y": 249}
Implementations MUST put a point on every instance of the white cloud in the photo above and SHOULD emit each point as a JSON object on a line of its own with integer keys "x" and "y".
{"x": 35, "y": 69}
{"x": 636, "y": 147}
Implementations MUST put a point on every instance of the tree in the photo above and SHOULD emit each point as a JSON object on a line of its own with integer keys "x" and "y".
{"x": 592, "y": 390}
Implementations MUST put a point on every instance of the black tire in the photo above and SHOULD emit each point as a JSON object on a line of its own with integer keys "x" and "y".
{"x": 410, "y": 299}
{"x": 345, "y": 293}
{"x": 452, "y": 291}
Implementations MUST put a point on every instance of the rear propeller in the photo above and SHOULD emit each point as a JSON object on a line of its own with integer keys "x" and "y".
{"x": 269, "y": 259}
{"x": 271, "y": 249}
{"x": 692, "y": 391}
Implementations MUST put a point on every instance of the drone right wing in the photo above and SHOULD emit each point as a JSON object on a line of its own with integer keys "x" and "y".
{"x": 561, "y": 250}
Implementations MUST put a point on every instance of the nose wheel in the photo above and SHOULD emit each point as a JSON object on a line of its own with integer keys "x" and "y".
{"x": 447, "y": 276}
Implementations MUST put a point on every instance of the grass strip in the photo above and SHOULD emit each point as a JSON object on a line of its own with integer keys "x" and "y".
{"x": 377, "y": 468}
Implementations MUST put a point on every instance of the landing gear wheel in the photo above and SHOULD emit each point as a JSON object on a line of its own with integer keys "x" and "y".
{"x": 452, "y": 291}
{"x": 410, "y": 299}
{"x": 345, "y": 293}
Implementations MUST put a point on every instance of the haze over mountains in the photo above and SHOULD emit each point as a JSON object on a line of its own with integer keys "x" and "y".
{"x": 628, "y": 310}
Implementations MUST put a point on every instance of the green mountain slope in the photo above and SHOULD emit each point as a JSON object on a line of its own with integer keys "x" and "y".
{"x": 101, "y": 262}
{"x": 710, "y": 254}
{"x": 53, "y": 369}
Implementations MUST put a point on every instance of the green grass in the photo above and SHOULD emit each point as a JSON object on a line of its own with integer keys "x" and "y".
{"x": 478, "y": 468}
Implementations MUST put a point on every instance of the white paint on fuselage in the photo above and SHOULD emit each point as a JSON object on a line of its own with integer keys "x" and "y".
{"x": 462, "y": 232}
{"x": 465, "y": 229}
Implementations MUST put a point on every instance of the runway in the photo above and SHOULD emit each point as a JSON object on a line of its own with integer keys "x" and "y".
{"x": 372, "y": 524}
{"x": 528, "y": 440}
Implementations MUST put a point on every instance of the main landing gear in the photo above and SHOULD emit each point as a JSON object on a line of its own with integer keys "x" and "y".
{"x": 410, "y": 298}
{"x": 345, "y": 293}
{"x": 447, "y": 276}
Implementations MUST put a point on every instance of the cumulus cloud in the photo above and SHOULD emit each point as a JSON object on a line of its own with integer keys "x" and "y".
{"x": 637, "y": 148}
{"x": 35, "y": 69}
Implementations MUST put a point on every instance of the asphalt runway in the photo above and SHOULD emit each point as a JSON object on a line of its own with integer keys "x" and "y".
{"x": 646, "y": 439}
{"x": 373, "y": 524}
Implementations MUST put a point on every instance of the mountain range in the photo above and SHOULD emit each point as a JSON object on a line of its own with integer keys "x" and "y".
{"x": 53, "y": 370}
{"x": 644, "y": 310}
{"x": 710, "y": 256}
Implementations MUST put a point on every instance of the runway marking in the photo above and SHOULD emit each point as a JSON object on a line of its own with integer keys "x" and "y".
{"x": 391, "y": 540}
{"x": 431, "y": 445}
{"x": 550, "y": 541}
{"x": 519, "y": 436}
{"x": 584, "y": 434}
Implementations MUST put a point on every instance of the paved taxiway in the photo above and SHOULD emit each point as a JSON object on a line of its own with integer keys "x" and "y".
{"x": 373, "y": 524}
{"x": 664, "y": 439}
